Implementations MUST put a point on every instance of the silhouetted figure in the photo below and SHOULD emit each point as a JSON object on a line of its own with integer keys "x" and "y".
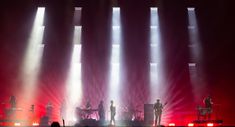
{"x": 12, "y": 102}
{"x": 101, "y": 111}
{"x": 88, "y": 105}
{"x": 208, "y": 105}
{"x": 11, "y": 111}
{"x": 158, "y": 112}
{"x": 55, "y": 124}
{"x": 32, "y": 108}
{"x": 49, "y": 109}
{"x": 88, "y": 110}
{"x": 112, "y": 112}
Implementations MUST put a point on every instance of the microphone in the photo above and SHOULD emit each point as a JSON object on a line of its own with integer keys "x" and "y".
{"x": 63, "y": 123}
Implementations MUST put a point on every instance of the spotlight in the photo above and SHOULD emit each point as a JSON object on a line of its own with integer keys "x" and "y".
{"x": 114, "y": 78}
{"x": 210, "y": 124}
{"x": 171, "y": 124}
{"x": 190, "y": 124}
{"x": 35, "y": 124}
{"x": 17, "y": 124}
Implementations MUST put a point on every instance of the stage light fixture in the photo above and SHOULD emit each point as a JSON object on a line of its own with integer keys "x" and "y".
{"x": 210, "y": 124}
{"x": 35, "y": 124}
{"x": 17, "y": 124}
{"x": 190, "y": 124}
{"x": 171, "y": 124}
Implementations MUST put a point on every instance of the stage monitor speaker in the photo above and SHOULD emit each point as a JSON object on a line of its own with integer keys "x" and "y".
{"x": 148, "y": 114}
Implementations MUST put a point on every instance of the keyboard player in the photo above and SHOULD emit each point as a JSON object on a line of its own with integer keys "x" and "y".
{"x": 88, "y": 110}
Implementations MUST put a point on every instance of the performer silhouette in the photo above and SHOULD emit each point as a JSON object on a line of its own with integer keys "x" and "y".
{"x": 88, "y": 105}
{"x": 208, "y": 105}
{"x": 88, "y": 110}
{"x": 12, "y": 102}
{"x": 49, "y": 109}
{"x": 158, "y": 112}
{"x": 11, "y": 111}
{"x": 112, "y": 112}
{"x": 101, "y": 111}
{"x": 32, "y": 108}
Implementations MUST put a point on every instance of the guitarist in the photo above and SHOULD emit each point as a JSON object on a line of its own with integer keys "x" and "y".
{"x": 158, "y": 107}
{"x": 112, "y": 113}
{"x": 208, "y": 105}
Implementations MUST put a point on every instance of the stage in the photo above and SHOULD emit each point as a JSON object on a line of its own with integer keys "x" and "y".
{"x": 58, "y": 55}
{"x": 119, "y": 123}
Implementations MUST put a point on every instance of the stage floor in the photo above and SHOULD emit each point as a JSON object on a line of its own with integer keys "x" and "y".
{"x": 94, "y": 123}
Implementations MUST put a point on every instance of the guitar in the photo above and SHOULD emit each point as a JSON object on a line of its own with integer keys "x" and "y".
{"x": 158, "y": 109}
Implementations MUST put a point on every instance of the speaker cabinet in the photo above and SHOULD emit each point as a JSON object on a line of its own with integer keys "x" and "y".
{"x": 148, "y": 114}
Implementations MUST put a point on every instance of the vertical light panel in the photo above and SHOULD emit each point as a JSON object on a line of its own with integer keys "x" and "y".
{"x": 114, "y": 81}
{"x": 193, "y": 34}
{"x": 195, "y": 54}
{"x": 74, "y": 83}
{"x": 155, "y": 58}
{"x": 32, "y": 61}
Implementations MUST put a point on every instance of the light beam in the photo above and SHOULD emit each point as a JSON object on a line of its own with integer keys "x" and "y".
{"x": 114, "y": 80}
{"x": 32, "y": 61}
{"x": 74, "y": 83}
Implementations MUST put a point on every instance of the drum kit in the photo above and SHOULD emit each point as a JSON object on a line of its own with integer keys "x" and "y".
{"x": 131, "y": 114}
{"x": 126, "y": 114}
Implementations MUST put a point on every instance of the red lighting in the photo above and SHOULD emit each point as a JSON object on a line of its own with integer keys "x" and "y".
{"x": 190, "y": 124}
{"x": 210, "y": 124}
{"x": 171, "y": 124}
